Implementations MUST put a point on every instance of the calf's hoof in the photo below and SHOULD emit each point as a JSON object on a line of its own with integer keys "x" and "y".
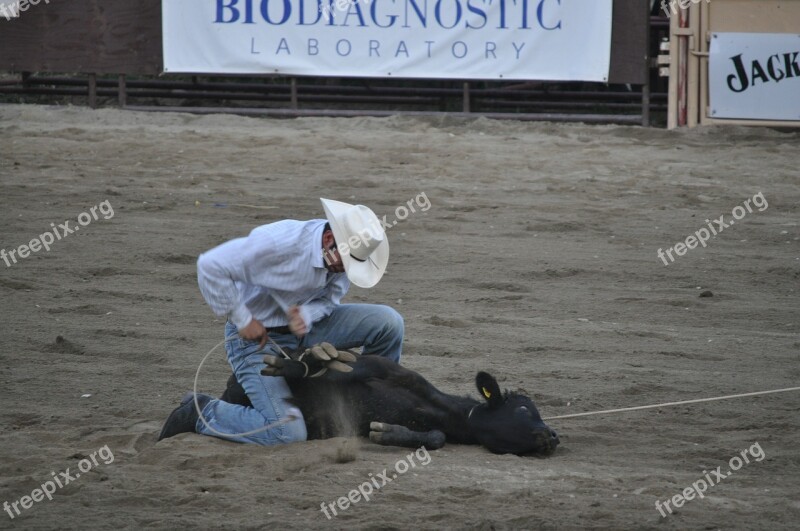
{"x": 394, "y": 435}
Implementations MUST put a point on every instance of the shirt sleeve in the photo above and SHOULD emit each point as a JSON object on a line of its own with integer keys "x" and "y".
{"x": 245, "y": 260}
{"x": 313, "y": 311}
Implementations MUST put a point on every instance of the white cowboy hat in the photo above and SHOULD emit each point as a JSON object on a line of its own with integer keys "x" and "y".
{"x": 361, "y": 241}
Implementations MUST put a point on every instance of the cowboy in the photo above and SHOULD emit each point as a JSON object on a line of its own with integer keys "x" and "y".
{"x": 282, "y": 286}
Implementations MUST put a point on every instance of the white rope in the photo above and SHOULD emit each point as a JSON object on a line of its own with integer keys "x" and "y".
{"x": 285, "y": 420}
{"x": 665, "y": 404}
{"x": 290, "y": 418}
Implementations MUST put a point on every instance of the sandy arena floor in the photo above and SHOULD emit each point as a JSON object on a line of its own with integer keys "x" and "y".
{"x": 536, "y": 261}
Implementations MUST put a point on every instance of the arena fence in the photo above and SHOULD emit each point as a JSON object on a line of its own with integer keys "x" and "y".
{"x": 113, "y": 49}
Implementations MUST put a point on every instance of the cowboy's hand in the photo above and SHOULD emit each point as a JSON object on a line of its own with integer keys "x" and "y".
{"x": 254, "y": 331}
{"x": 296, "y": 323}
{"x": 288, "y": 368}
{"x": 310, "y": 363}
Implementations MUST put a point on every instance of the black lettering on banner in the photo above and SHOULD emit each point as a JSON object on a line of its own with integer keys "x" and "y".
{"x": 741, "y": 73}
{"x": 739, "y": 81}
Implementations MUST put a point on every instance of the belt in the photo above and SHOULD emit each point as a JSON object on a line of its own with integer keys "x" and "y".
{"x": 276, "y": 329}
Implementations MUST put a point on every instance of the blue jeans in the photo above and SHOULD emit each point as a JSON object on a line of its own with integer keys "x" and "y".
{"x": 379, "y": 329}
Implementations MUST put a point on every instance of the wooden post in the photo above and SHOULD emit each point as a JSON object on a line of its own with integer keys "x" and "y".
{"x": 704, "y": 48}
{"x": 693, "y": 66}
{"x": 678, "y": 50}
{"x": 24, "y": 78}
{"x": 93, "y": 91}
{"x": 122, "y": 91}
{"x": 293, "y": 96}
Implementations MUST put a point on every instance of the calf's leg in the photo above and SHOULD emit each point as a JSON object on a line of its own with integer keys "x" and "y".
{"x": 234, "y": 393}
{"x": 395, "y": 435}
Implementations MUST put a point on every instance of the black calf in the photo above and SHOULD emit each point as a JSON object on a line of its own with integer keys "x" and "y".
{"x": 394, "y": 405}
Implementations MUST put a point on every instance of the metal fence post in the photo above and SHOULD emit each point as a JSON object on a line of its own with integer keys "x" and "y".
{"x": 122, "y": 91}
{"x": 93, "y": 91}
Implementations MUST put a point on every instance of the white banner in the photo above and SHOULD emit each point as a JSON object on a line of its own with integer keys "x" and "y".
{"x": 754, "y": 76}
{"x": 459, "y": 39}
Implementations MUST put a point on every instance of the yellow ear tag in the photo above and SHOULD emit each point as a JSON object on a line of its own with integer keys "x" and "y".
{"x": 486, "y": 392}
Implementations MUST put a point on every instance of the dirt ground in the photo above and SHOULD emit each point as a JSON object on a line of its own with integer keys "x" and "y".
{"x": 537, "y": 261}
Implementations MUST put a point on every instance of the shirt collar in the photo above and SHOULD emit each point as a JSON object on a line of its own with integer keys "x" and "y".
{"x": 316, "y": 245}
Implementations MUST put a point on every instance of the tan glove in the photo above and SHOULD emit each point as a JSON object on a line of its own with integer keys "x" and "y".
{"x": 311, "y": 363}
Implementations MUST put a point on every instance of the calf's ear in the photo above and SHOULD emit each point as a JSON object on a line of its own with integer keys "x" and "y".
{"x": 487, "y": 386}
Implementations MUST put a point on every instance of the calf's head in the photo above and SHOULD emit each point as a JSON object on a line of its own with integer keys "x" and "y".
{"x": 509, "y": 423}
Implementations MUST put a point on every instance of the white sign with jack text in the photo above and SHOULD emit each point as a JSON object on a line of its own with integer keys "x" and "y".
{"x": 754, "y": 76}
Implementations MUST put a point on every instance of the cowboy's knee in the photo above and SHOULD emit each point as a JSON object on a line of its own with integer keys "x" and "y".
{"x": 295, "y": 430}
{"x": 393, "y": 323}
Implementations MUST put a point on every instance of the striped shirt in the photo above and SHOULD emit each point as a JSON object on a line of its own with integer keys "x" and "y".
{"x": 239, "y": 278}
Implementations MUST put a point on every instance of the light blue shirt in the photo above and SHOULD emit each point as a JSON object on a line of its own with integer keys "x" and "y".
{"x": 239, "y": 277}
